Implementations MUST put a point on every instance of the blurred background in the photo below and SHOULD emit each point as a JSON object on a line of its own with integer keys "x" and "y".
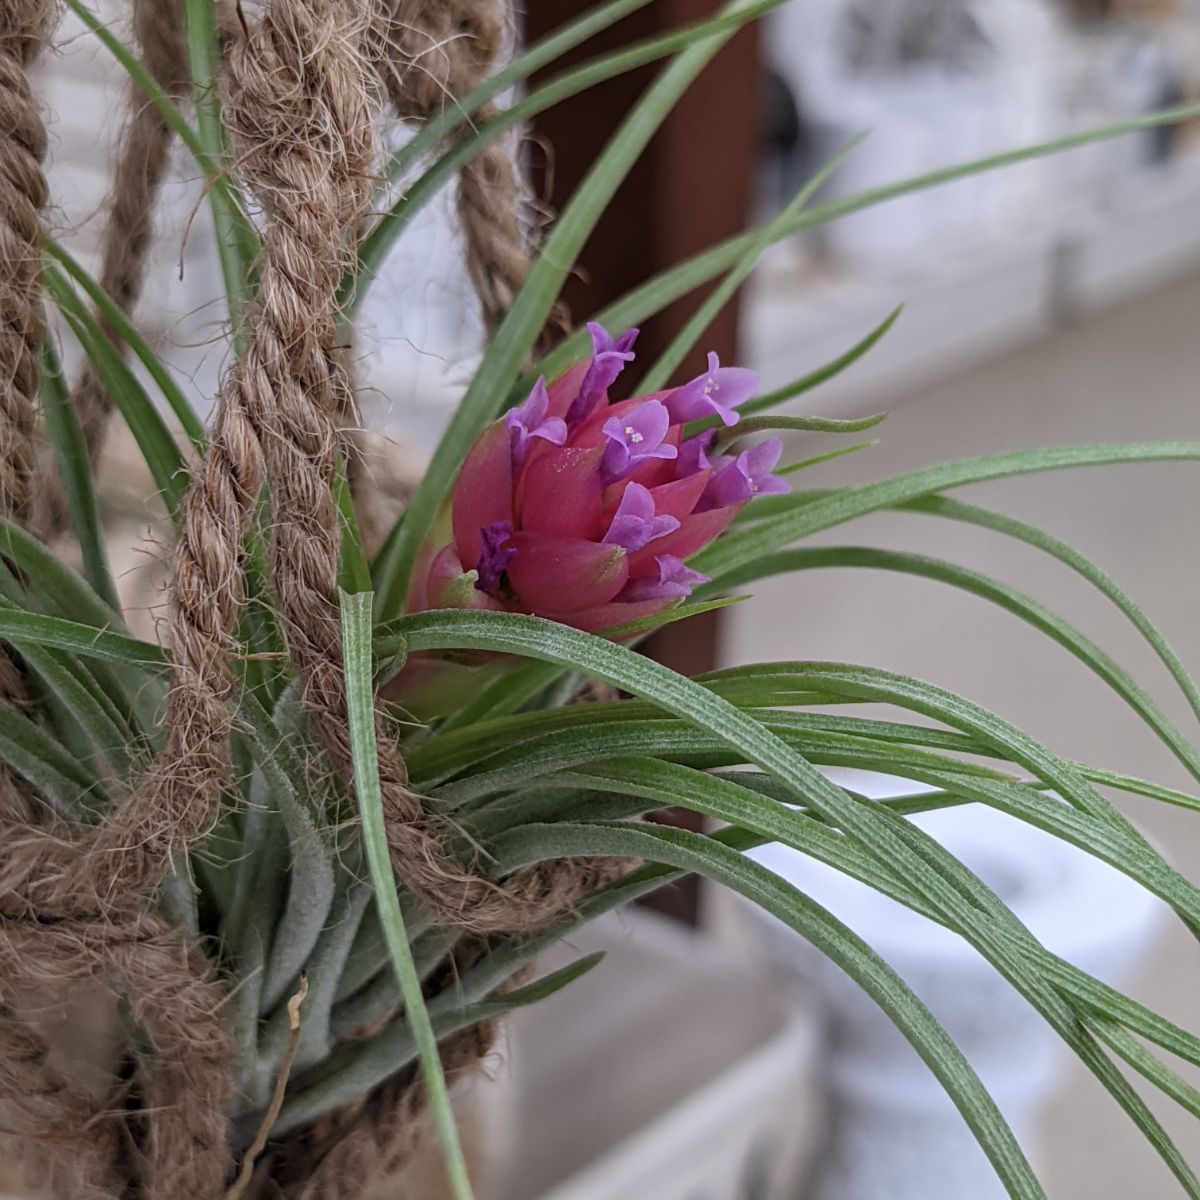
{"x": 1051, "y": 303}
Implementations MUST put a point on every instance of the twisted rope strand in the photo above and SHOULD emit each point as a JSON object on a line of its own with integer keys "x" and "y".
{"x": 427, "y": 56}
{"x": 141, "y": 166}
{"x": 23, "y": 195}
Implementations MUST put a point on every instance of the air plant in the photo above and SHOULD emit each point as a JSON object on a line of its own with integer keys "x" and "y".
{"x": 347, "y": 874}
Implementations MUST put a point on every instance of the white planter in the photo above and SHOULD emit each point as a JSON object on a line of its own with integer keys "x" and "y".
{"x": 671, "y": 1071}
{"x": 893, "y": 1132}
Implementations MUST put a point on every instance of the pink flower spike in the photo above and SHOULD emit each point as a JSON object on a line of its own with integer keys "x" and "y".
{"x": 635, "y": 524}
{"x": 609, "y": 358}
{"x": 565, "y": 574}
{"x": 530, "y": 421}
{"x": 635, "y": 437}
{"x": 719, "y": 390}
{"x": 675, "y": 580}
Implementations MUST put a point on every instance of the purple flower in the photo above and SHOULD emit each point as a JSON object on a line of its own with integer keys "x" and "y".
{"x": 747, "y": 476}
{"x": 675, "y": 580}
{"x": 633, "y": 438}
{"x": 530, "y": 421}
{"x": 719, "y": 390}
{"x": 693, "y": 454}
{"x": 496, "y": 555}
{"x": 635, "y": 524}
{"x": 609, "y": 356}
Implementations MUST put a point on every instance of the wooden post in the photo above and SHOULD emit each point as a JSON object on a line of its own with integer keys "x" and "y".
{"x": 693, "y": 187}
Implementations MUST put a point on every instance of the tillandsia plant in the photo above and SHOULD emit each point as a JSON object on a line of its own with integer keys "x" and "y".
{"x": 311, "y": 846}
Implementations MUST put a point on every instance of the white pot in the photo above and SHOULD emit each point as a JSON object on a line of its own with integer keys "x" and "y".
{"x": 893, "y": 1132}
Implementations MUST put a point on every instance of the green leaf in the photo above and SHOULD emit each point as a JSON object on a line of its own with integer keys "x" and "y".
{"x": 100, "y": 721}
{"x": 125, "y": 329}
{"x": 517, "y": 334}
{"x": 504, "y": 695}
{"x": 132, "y": 66}
{"x": 727, "y": 798}
{"x": 739, "y": 547}
{"x": 803, "y": 424}
{"x": 354, "y": 575}
{"x": 58, "y": 775}
{"x": 958, "y": 510}
{"x": 365, "y": 1066}
{"x": 154, "y": 440}
{"x": 1146, "y": 1065}
{"x": 1000, "y": 594}
{"x": 34, "y": 629}
{"x": 74, "y": 469}
{"x": 817, "y": 459}
{"x": 222, "y": 191}
{"x": 659, "y": 375}
{"x": 823, "y": 374}
{"x": 52, "y": 587}
{"x": 356, "y": 636}
{"x": 52, "y": 582}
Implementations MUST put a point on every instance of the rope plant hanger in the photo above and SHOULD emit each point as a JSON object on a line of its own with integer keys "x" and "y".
{"x": 302, "y": 856}
{"x": 304, "y": 86}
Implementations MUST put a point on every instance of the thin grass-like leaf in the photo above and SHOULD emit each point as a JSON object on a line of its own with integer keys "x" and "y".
{"x": 659, "y": 374}
{"x": 356, "y": 636}
{"x": 70, "y": 452}
{"x": 531, "y": 60}
{"x": 998, "y": 593}
{"x": 972, "y": 514}
{"x": 742, "y": 546}
{"x": 363, "y": 1067}
{"x": 378, "y": 244}
{"x": 213, "y": 167}
{"x": 35, "y": 629}
{"x": 158, "y": 447}
{"x": 681, "y": 849}
{"x": 822, "y": 374}
{"x": 237, "y": 242}
{"x": 125, "y": 329}
{"x": 57, "y": 774}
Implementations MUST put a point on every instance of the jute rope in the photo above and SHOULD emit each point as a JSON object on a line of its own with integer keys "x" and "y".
{"x": 72, "y": 907}
{"x": 35, "y": 1100}
{"x": 23, "y": 195}
{"x": 302, "y": 98}
{"x": 141, "y": 165}
{"x": 428, "y": 56}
